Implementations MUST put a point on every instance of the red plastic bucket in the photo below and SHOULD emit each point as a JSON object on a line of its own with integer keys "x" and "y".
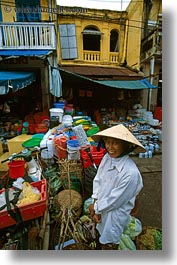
{"x": 158, "y": 113}
{"x": 16, "y": 169}
{"x": 61, "y": 147}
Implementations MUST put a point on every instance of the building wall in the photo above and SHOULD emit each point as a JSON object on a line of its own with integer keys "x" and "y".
{"x": 134, "y": 25}
{"x": 104, "y": 21}
{"x": 48, "y": 14}
{"x": 9, "y": 12}
{"x": 129, "y": 24}
{"x": 151, "y": 59}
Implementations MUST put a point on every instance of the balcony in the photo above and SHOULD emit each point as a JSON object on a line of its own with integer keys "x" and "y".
{"x": 92, "y": 56}
{"x": 95, "y": 57}
{"x": 21, "y": 35}
{"x": 114, "y": 57}
{"x": 152, "y": 46}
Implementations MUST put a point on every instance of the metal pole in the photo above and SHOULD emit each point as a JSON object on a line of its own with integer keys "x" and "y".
{"x": 152, "y": 64}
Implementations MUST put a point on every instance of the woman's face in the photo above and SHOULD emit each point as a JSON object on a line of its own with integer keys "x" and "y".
{"x": 115, "y": 147}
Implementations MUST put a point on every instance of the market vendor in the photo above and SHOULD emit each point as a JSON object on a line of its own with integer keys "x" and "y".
{"x": 116, "y": 184}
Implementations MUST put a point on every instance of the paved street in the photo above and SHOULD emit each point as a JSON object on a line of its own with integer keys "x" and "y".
{"x": 150, "y": 201}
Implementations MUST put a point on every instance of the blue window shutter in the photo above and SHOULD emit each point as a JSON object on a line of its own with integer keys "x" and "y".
{"x": 0, "y": 14}
{"x": 27, "y": 16}
{"x": 68, "y": 41}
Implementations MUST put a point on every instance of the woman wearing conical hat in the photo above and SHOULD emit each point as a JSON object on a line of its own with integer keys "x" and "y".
{"x": 116, "y": 184}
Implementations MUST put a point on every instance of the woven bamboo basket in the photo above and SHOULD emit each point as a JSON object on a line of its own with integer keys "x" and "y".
{"x": 71, "y": 199}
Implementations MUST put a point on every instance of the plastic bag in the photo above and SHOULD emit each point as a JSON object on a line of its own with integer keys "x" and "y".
{"x": 126, "y": 243}
{"x": 28, "y": 195}
{"x": 86, "y": 229}
{"x": 134, "y": 227}
{"x": 87, "y": 203}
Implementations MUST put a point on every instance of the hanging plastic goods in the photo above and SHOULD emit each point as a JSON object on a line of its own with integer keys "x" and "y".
{"x": 81, "y": 136}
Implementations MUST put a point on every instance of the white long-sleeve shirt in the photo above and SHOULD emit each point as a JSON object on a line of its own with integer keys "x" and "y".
{"x": 115, "y": 187}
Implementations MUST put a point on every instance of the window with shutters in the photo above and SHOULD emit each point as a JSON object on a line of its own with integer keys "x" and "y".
{"x": 68, "y": 41}
{"x": 0, "y": 14}
{"x": 91, "y": 38}
{"x": 114, "y": 41}
{"x": 28, "y": 11}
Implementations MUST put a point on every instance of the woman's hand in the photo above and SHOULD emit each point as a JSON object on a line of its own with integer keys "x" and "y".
{"x": 91, "y": 210}
{"x": 96, "y": 218}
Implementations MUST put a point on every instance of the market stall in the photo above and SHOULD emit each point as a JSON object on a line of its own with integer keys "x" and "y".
{"x": 72, "y": 158}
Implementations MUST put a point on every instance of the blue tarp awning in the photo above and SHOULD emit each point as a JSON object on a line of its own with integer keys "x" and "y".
{"x": 117, "y": 84}
{"x": 37, "y": 53}
{"x": 128, "y": 84}
{"x": 15, "y": 80}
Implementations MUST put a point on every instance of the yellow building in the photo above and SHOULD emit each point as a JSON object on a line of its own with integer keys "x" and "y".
{"x": 151, "y": 50}
{"x": 27, "y": 44}
{"x": 88, "y": 56}
{"x": 99, "y": 45}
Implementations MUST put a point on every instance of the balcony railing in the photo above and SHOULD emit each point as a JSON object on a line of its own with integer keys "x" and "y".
{"x": 114, "y": 57}
{"x": 31, "y": 35}
{"x": 95, "y": 56}
{"x": 90, "y": 56}
{"x": 151, "y": 45}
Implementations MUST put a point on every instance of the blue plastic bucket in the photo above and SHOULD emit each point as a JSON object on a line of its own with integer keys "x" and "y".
{"x": 59, "y": 105}
{"x": 73, "y": 149}
{"x": 73, "y": 143}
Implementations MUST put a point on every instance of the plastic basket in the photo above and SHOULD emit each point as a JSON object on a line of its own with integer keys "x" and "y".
{"x": 29, "y": 211}
{"x": 16, "y": 169}
{"x": 34, "y": 141}
{"x": 97, "y": 156}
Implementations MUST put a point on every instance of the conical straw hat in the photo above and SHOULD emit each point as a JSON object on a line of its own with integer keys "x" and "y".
{"x": 122, "y": 133}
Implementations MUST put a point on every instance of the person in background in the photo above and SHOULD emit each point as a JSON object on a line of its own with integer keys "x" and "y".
{"x": 116, "y": 185}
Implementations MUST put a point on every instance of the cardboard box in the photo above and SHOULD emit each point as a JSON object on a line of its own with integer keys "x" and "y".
{"x": 4, "y": 166}
{"x": 15, "y": 144}
{"x": 1, "y": 148}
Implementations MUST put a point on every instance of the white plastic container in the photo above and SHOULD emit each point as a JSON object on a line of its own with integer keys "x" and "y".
{"x": 67, "y": 120}
{"x": 55, "y": 112}
{"x": 49, "y": 151}
{"x": 154, "y": 122}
